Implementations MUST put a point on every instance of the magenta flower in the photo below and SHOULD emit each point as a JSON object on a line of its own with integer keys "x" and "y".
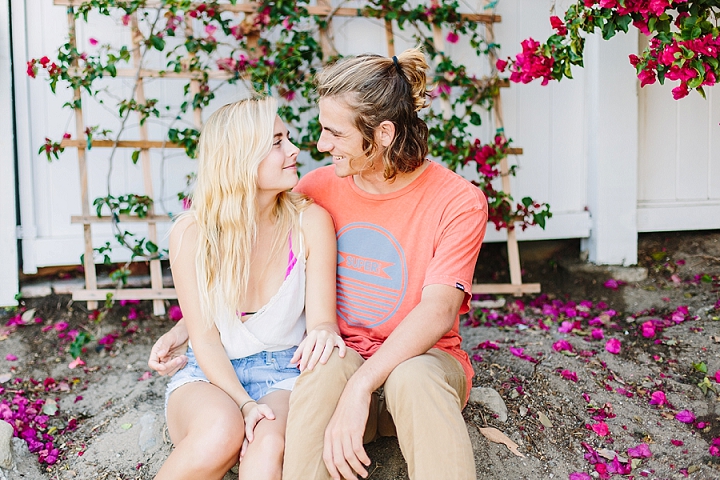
{"x": 60, "y": 326}
{"x": 579, "y": 476}
{"x": 648, "y": 329}
{"x": 641, "y": 451}
{"x": 174, "y": 313}
{"x": 612, "y": 284}
{"x": 685, "y": 416}
{"x": 558, "y": 25}
{"x": 76, "y": 363}
{"x": 717, "y": 376}
{"x": 145, "y": 376}
{"x": 92, "y": 41}
{"x": 677, "y": 443}
{"x": 658, "y": 398}
{"x": 566, "y": 326}
{"x": 10, "y": 357}
{"x": 597, "y": 334}
{"x": 613, "y": 346}
{"x": 600, "y": 428}
{"x": 715, "y": 447}
{"x": 562, "y": 346}
{"x": 568, "y": 375}
{"x": 452, "y": 37}
{"x": 501, "y": 64}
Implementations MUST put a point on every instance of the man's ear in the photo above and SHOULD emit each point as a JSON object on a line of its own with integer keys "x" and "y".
{"x": 385, "y": 133}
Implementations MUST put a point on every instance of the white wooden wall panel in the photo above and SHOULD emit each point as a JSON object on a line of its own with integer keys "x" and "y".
{"x": 8, "y": 241}
{"x": 679, "y": 160}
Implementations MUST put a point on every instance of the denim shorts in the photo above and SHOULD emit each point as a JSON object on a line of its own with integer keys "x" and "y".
{"x": 259, "y": 374}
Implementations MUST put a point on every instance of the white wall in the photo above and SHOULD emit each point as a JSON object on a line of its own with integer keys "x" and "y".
{"x": 581, "y": 138}
{"x": 8, "y": 241}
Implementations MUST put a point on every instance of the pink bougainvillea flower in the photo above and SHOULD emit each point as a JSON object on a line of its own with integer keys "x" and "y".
{"x": 452, "y": 37}
{"x": 174, "y": 313}
{"x": 715, "y": 447}
{"x": 132, "y": 314}
{"x": 597, "y": 334}
{"x": 128, "y": 302}
{"x": 126, "y": 20}
{"x": 501, "y": 64}
{"x": 600, "y": 428}
{"x": 558, "y": 25}
{"x": 145, "y": 376}
{"x": 611, "y": 284}
{"x": 677, "y": 443}
{"x": 717, "y": 376}
{"x": 641, "y": 451}
{"x": 579, "y": 476}
{"x": 487, "y": 345}
{"x": 60, "y": 326}
{"x": 566, "y": 326}
{"x": 93, "y": 41}
{"x": 76, "y": 363}
{"x": 568, "y": 375}
{"x": 613, "y": 346}
{"x": 685, "y": 416}
{"x": 602, "y": 470}
{"x": 700, "y": 425}
{"x": 10, "y": 357}
{"x": 658, "y": 398}
{"x": 648, "y": 329}
{"x": 562, "y": 346}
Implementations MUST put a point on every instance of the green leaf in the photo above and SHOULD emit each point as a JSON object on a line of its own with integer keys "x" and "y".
{"x": 135, "y": 157}
{"x": 700, "y": 367}
{"x": 151, "y": 247}
{"x": 157, "y": 42}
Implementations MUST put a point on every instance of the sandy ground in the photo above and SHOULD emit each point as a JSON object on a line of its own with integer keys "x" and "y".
{"x": 573, "y": 406}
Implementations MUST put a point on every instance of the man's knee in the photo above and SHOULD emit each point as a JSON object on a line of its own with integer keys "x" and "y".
{"x": 424, "y": 377}
{"x": 336, "y": 371}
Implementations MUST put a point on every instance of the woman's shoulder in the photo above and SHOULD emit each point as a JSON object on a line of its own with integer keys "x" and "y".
{"x": 315, "y": 216}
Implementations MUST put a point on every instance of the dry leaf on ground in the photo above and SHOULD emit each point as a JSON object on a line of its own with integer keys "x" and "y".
{"x": 496, "y": 436}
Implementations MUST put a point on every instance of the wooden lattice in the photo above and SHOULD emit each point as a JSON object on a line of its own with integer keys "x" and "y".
{"x": 156, "y": 292}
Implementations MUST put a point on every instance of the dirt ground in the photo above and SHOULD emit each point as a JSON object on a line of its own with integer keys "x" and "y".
{"x": 647, "y": 410}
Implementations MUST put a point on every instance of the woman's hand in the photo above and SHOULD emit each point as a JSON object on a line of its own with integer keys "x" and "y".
{"x": 168, "y": 354}
{"x": 255, "y": 413}
{"x": 318, "y": 346}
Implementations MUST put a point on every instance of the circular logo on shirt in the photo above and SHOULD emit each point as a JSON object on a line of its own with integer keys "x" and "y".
{"x": 371, "y": 275}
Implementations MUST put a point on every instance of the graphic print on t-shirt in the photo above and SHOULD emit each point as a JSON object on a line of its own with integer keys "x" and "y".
{"x": 371, "y": 275}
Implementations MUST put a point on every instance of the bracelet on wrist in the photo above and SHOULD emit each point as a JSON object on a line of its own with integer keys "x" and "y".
{"x": 245, "y": 403}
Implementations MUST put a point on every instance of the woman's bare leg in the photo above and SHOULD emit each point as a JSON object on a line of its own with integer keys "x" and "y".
{"x": 207, "y": 429}
{"x": 264, "y": 456}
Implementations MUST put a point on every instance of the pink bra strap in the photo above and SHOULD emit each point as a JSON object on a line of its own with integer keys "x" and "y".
{"x": 291, "y": 258}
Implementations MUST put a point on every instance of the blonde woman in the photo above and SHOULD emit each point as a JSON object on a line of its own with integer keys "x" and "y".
{"x": 250, "y": 261}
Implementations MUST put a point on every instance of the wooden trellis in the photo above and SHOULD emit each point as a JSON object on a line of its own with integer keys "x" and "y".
{"x": 156, "y": 292}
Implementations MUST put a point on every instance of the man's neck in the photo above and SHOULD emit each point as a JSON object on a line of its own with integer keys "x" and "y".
{"x": 372, "y": 181}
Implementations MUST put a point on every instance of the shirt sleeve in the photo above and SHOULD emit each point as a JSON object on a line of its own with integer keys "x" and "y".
{"x": 457, "y": 251}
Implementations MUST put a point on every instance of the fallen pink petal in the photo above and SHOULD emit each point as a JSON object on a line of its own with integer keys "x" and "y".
{"x": 641, "y": 451}
{"x": 685, "y": 416}
{"x": 613, "y": 346}
{"x": 10, "y": 357}
{"x": 600, "y": 428}
{"x": 568, "y": 375}
{"x": 611, "y": 284}
{"x": 76, "y": 363}
{"x": 658, "y": 398}
{"x": 145, "y": 376}
{"x": 579, "y": 476}
{"x": 677, "y": 443}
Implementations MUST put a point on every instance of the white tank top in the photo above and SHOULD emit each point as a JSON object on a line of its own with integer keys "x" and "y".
{"x": 278, "y": 325}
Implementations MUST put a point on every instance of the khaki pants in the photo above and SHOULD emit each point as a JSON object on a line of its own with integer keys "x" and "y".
{"x": 420, "y": 403}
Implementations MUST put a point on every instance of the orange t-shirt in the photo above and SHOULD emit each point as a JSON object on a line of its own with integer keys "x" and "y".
{"x": 390, "y": 246}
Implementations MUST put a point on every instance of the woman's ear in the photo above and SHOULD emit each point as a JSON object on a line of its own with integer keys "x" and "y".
{"x": 385, "y": 133}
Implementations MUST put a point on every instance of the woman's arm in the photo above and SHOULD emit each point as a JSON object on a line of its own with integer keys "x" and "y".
{"x": 167, "y": 356}
{"x": 323, "y": 334}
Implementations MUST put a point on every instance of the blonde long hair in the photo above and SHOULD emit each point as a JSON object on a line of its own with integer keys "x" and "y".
{"x": 233, "y": 142}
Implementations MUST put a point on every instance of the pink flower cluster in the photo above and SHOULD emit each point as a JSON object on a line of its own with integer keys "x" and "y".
{"x": 530, "y": 64}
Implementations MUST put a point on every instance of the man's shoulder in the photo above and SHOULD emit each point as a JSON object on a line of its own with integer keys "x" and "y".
{"x": 461, "y": 189}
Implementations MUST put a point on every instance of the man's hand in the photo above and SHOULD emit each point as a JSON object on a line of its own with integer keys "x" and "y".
{"x": 318, "y": 347}
{"x": 343, "y": 452}
{"x": 168, "y": 354}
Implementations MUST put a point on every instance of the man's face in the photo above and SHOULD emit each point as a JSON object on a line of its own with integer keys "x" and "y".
{"x": 340, "y": 138}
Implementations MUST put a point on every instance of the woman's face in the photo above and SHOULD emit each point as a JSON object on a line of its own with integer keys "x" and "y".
{"x": 278, "y": 171}
{"x": 340, "y": 138}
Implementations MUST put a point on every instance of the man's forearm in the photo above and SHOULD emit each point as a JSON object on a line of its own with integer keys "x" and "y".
{"x": 417, "y": 333}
